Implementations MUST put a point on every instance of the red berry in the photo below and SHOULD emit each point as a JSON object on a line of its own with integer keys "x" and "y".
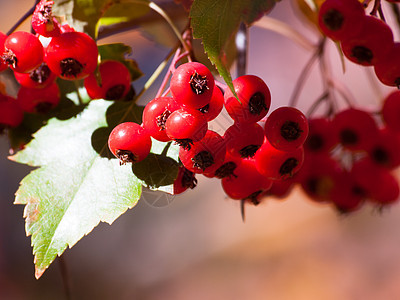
{"x": 213, "y": 109}
{"x": 204, "y": 156}
{"x": 37, "y": 78}
{"x": 186, "y": 126}
{"x": 11, "y": 115}
{"x": 276, "y": 164}
{"x": 371, "y": 45}
{"x": 388, "y": 69}
{"x": 185, "y": 180}
{"x": 286, "y": 128}
{"x": 384, "y": 149}
{"x": 129, "y": 142}
{"x": 340, "y": 19}
{"x": 192, "y": 85}
{"x": 17, "y": 55}
{"x": 391, "y": 111}
{"x": 254, "y": 96}
{"x": 115, "y": 81}
{"x": 38, "y": 100}
{"x": 43, "y": 21}
{"x": 3, "y": 64}
{"x": 72, "y": 55}
{"x": 321, "y": 136}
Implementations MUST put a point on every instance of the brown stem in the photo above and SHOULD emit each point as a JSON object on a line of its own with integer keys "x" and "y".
{"x": 65, "y": 277}
{"x": 377, "y": 5}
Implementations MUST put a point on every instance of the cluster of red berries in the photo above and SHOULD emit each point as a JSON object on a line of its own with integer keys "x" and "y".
{"x": 247, "y": 157}
{"x": 364, "y": 39}
{"x": 55, "y": 51}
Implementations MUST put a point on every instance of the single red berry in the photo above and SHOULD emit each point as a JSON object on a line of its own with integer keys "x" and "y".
{"x": 227, "y": 168}
{"x": 371, "y": 45}
{"x": 17, "y": 55}
{"x": 192, "y": 85}
{"x": 340, "y": 19}
{"x": 391, "y": 110}
{"x": 321, "y": 136}
{"x": 276, "y": 164}
{"x": 206, "y": 155}
{"x": 38, "y": 100}
{"x": 186, "y": 126}
{"x": 286, "y": 128}
{"x": 213, "y": 109}
{"x": 244, "y": 140}
{"x": 355, "y": 128}
{"x": 37, "y": 78}
{"x": 185, "y": 180}
{"x": 384, "y": 150}
{"x": 388, "y": 69}
{"x": 115, "y": 81}
{"x": 11, "y": 115}
{"x": 254, "y": 99}
{"x": 43, "y": 22}
{"x": 72, "y": 55}
{"x": 129, "y": 142}
{"x": 155, "y": 115}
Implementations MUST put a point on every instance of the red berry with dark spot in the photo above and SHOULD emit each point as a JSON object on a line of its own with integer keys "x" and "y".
{"x": 43, "y": 22}
{"x": 214, "y": 107}
{"x": 37, "y": 78}
{"x": 38, "y": 100}
{"x": 321, "y": 136}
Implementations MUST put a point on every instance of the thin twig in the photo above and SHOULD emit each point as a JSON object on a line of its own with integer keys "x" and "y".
{"x": 22, "y": 19}
{"x": 65, "y": 277}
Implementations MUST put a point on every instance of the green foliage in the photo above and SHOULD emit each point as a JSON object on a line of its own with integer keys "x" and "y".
{"x": 215, "y": 22}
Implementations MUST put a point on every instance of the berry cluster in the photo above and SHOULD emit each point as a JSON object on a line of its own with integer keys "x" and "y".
{"x": 55, "y": 52}
{"x": 364, "y": 39}
{"x": 247, "y": 158}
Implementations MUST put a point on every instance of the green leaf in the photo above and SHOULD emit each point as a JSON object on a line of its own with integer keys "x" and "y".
{"x": 120, "y": 51}
{"x": 85, "y": 15}
{"x": 216, "y": 22}
{"x": 75, "y": 187}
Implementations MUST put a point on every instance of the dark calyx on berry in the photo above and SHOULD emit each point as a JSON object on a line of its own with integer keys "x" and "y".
{"x": 315, "y": 142}
{"x": 348, "y": 137}
{"x": 184, "y": 143}
{"x": 10, "y": 58}
{"x": 162, "y": 119}
{"x": 203, "y": 160}
{"x": 70, "y": 67}
{"x": 333, "y": 19}
{"x": 253, "y": 198}
{"x": 40, "y": 74}
{"x": 380, "y": 156}
{"x": 188, "y": 179}
{"x": 226, "y": 170}
{"x": 257, "y": 104}
{"x": 205, "y": 108}
{"x": 198, "y": 83}
{"x": 362, "y": 54}
{"x": 115, "y": 92}
{"x": 288, "y": 166}
{"x": 125, "y": 156}
{"x": 249, "y": 151}
{"x": 291, "y": 131}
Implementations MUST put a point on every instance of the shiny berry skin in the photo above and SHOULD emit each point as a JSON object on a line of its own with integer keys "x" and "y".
{"x": 11, "y": 115}
{"x": 204, "y": 156}
{"x": 321, "y": 136}
{"x": 37, "y": 78}
{"x": 286, "y": 128}
{"x": 43, "y": 22}
{"x": 192, "y": 85}
{"x": 391, "y": 110}
{"x": 276, "y": 164}
{"x": 214, "y": 107}
{"x": 115, "y": 81}
{"x": 254, "y": 96}
{"x": 244, "y": 140}
{"x": 185, "y": 180}
{"x": 371, "y": 45}
{"x": 129, "y": 142}
{"x": 388, "y": 69}
{"x": 72, "y": 55}
{"x": 340, "y": 19}
{"x": 17, "y": 55}
{"x": 186, "y": 126}
{"x": 38, "y": 100}
{"x": 355, "y": 128}
{"x": 3, "y": 64}
{"x": 247, "y": 184}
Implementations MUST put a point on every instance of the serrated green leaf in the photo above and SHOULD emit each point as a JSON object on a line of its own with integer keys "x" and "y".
{"x": 120, "y": 51}
{"x": 74, "y": 187}
{"x": 215, "y": 23}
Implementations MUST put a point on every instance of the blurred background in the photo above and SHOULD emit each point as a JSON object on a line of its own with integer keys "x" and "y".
{"x": 195, "y": 245}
